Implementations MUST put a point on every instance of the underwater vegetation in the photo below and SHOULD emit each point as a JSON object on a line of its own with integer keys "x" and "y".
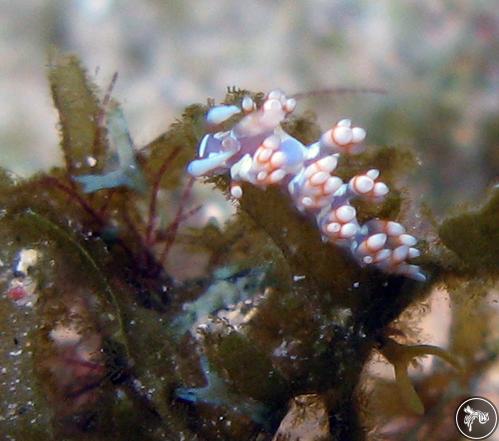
{"x": 268, "y": 333}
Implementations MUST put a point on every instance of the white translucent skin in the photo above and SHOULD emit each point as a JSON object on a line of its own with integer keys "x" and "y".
{"x": 219, "y": 114}
{"x": 258, "y": 151}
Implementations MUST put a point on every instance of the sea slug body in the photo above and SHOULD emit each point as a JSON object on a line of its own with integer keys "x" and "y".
{"x": 257, "y": 150}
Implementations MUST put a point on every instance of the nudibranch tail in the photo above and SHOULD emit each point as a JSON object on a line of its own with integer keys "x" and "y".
{"x": 257, "y": 150}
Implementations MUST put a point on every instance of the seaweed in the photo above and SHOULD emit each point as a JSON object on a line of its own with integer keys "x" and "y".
{"x": 266, "y": 317}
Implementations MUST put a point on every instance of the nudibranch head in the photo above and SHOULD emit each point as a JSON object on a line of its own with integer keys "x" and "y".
{"x": 257, "y": 150}
{"x": 213, "y": 152}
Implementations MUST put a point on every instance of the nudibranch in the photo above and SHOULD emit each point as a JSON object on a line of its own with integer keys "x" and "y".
{"x": 258, "y": 150}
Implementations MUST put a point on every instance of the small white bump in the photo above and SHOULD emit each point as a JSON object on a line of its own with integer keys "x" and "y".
{"x": 319, "y": 178}
{"x": 394, "y": 228}
{"x": 376, "y": 242}
{"x": 342, "y": 135}
{"x": 382, "y": 255}
{"x": 333, "y": 184}
{"x": 333, "y": 227}
{"x": 264, "y": 154}
{"x": 277, "y": 175}
{"x": 373, "y": 173}
{"x": 367, "y": 259}
{"x": 328, "y": 163}
{"x": 290, "y": 105}
{"x": 327, "y": 139}
{"x": 272, "y": 142}
{"x": 413, "y": 253}
{"x": 245, "y": 164}
{"x": 275, "y": 94}
{"x": 311, "y": 190}
{"x": 247, "y": 104}
{"x": 362, "y": 184}
{"x": 91, "y": 161}
{"x": 236, "y": 191}
{"x": 407, "y": 239}
{"x": 400, "y": 254}
{"x": 358, "y": 134}
{"x": 312, "y": 151}
{"x": 380, "y": 189}
{"x": 272, "y": 105}
{"x": 308, "y": 202}
{"x": 310, "y": 170}
{"x": 348, "y": 230}
{"x": 344, "y": 123}
{"x": 278, "y": 159}
{"x": 345, "y": 213}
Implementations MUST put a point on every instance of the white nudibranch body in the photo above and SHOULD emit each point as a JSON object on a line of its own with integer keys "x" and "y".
{"x": 257, "y": 150}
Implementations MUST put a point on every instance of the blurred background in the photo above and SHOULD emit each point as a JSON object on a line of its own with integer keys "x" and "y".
{"x": 437, "y": 60}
